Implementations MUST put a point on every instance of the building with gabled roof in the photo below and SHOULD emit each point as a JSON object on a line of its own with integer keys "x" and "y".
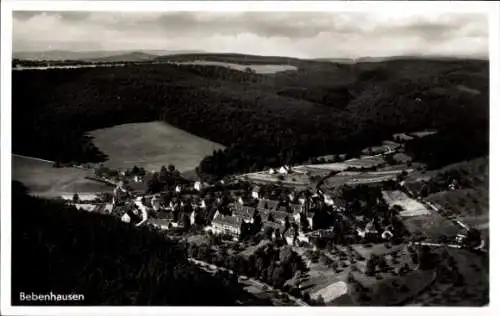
{"x": 225, "y": 224}
{"x": 243, "y": 212}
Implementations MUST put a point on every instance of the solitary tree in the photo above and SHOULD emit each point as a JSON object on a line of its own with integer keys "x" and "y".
{"x": 76, "y": 198}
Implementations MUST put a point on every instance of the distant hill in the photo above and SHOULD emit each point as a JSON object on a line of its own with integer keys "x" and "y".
{"x": 414, "y": 57}
{"x": 133, "y": 56}
{"x": 338, "y": 60}
{"x": 57, "y": 55}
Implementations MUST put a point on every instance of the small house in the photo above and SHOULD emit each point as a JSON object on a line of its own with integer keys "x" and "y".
{"x": 203, "y": 204}
{"x": 256, "y": 192}
{"x": 387, "y": 234}
{"x": 178, "y": 189}
{"x": 272, "y": 171}
{"x": 198, "y": 185}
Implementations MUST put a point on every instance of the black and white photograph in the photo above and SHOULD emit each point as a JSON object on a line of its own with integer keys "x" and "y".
{"x": 164, "y": 156}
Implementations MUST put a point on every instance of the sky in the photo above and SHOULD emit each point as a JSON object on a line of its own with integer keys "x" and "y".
{"x": 295, "y": 34}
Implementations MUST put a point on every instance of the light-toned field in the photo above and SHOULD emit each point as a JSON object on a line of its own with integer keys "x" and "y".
{"x": 353, "y": 178}
{"x": 152, "y": 145}
{"x": 44, "y": 180}
{"x": 260, "y": 69}
{"x": 411, "y": 207}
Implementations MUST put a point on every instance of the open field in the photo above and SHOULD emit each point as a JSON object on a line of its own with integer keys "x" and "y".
{"x": 411, "y": 207}
{"x": 431, "y": 226}
{"x": 44, "y": 180}
{"x": 152, "y": 145}
{"x": 463, "y": 202}
{"x": 353, "y": 178}
{"x": 295, "y": 179}
{"x": 260, "y": 69}
{"x": 365, "y": 162}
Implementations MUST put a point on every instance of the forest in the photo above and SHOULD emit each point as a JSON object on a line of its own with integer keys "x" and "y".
{"x": 263, "y": 120}
{"x": 56, "y": 248}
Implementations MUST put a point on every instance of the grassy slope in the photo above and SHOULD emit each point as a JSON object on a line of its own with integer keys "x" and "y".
{"x": 43, "y": 179}
{"x": 151, "y": 145}
{"x": 472, "y": 197}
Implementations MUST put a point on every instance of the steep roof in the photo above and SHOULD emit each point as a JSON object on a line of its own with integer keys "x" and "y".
{"x": 233, "y": 221}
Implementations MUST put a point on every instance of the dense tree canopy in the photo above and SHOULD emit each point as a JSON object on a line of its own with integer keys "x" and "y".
{"x": 264, "y": 120}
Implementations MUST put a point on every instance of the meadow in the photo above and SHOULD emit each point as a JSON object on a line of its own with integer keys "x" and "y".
{"x": 151, "y": 145}
{"x": 260, "y": 69}
{"x": 44, "y": 180}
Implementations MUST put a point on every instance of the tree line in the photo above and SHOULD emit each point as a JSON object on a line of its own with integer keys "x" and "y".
{"x": 249, "y": 113}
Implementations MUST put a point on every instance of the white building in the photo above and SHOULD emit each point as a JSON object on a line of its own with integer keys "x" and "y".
{"x": 155, "y": 203}
{"x": 178, "y": 189}
{"x": 198, "y": 186}
{"x": 203, "y": 204}
{"x": 328, "y": 200}
{"x": 256, "y": 193}
{"x": 272, "y": 171}
{"x": 283, "y": 170}
{"x": 192, "y": 217}
{"x": 387, "y": 234}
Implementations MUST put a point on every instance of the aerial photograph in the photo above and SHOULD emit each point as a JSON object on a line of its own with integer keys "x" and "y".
{"x": 280, "y": 158}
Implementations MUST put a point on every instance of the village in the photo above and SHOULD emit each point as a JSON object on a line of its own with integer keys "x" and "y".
{"x": 351, "y": 213}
